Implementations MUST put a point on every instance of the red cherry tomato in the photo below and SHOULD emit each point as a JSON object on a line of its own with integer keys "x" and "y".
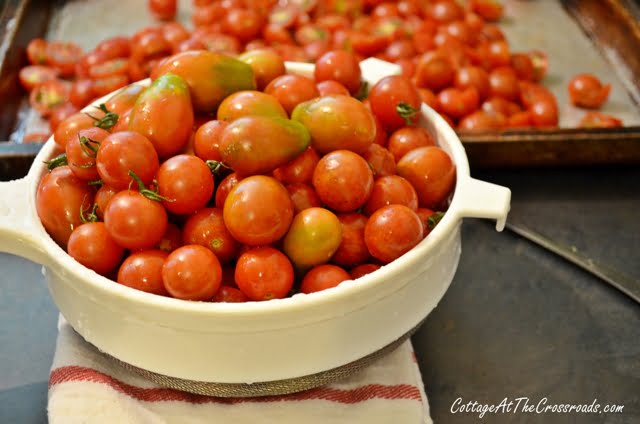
{"x": 192, "y": 272}
{"x": 586, "y": 90}
{"x": 341, "y": 66}
{"x": 63, "y": 56}
{"x": 33, "y": 75}
{"x": 395, "y": 101}
{"x": 47, "y": 95}
{"x": 143, "y": 271}
{"x": 352, "y": 250}
{"x": 594, "y": 119}
{"x": 163, "y": 9}
{"x": 392, "y": 231}
{"x": 92, "y": 246}
{"x": 323, "y": 277}
{"x": 206, "y": 228}
{"x": 264, "y": 273}
{"x": 185, "y": 183}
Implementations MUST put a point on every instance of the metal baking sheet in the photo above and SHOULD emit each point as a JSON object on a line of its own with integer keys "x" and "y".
{"x": 563, "y": 29}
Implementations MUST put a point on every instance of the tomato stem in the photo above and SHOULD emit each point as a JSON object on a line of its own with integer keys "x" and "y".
{"x": 59, "y": 160}
{"x": 107, "y": 121}
{"x": 363, "y": 91}
{"x": 91, "y": 216}
{"x": 406, "y": 112}
{"x": 89, "y": 146}
{"x": 433, "y": 220}
{"x": 149, "y": 194}
{"x": 217, "y": 167}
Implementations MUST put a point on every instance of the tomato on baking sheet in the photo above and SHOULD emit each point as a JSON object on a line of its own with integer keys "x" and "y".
{"x": 63, "y": 56}
{"x": 32, "y": 75}
{"x": 48, "y": 95}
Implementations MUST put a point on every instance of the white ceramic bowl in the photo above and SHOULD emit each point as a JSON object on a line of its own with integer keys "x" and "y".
{"x": 255, "y": 341}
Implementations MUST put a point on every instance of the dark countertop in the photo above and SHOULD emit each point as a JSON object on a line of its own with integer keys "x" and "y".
{"x": 516, "y": 322}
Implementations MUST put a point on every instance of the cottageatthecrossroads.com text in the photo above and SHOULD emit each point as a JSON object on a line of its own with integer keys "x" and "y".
{"x": 526, "y": 405}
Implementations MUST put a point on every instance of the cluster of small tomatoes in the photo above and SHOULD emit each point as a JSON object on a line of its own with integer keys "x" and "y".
{"x": 455, "y": 54}
{"x": 229, "y": 179}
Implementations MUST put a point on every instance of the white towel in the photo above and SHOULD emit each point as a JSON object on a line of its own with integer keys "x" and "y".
{"x": 87, "y": 387}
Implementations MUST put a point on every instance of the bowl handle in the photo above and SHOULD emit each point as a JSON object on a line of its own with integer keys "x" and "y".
{"x": 18, "y": 231}
{"x": 481, "y": 199}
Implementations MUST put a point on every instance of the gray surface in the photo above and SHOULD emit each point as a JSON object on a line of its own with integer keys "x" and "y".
{"x": 520, "y": 322}
{"x": 517, "y": 321}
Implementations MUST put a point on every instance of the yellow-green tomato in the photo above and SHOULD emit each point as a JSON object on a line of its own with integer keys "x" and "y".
{"x": 337, "y": 122}
{"x": 257, "y": 144}
{"x": 313, "y": 237}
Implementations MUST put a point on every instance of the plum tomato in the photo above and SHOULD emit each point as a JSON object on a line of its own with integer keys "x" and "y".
{"x": 314, "y": 236}
{"x": 587, "y": 91}
{"x": 92, "y": 246}
{"x": 249, "y": 102}
{"x": 61, "y": 198}
{"x": 266, "y": 64}
{"x": 392, "y": 231}
{"x": 405, "y": 139}
{"x": 291, "y": 90}
{"x": 143, "y": 271}
{"x": 352, "y": 250}
{"x": 337, "y": 122}
{"x": 264, "y": 273}
{"x": 192, "y": 272}
{"x": 206, "y": 228}
{"x": 341, "y": 66}
{"x": 210, "y": 76}
{"x": 391, "y": 190}
{"x": 163, "y": 113}
{"x": 431, "y": 172}
{"x": 185, "y": 184}
{"x": 124, "y": 99}
{"x": 259, "y": 144}
{"x": 172, "y": 238}
{"x": 134, "y": 221}
{"x": 343, "y": 180}
{"x": 258, "y": 210}
{"x": 298, "y": 170}
{"x": 82, "y": 151}
{"x": 395, "y": 100}
{"x": 206, "y": 141}
{"x": 323, "y": 277}
{"x": 124, "y": 152}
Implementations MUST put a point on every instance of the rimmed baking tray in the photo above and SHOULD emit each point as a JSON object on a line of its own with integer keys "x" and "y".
{"x": 597, "y": 36}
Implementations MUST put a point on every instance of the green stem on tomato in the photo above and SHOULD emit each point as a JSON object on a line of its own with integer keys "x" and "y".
{"x": 217, "y": 167}
{"x": 91, "y": 216}
{"x": 149, "y": 194}
{"x": 59, "y": 160}
{"x": 433, "y": 220}
{"x": 406, "y": 112}
{"x": 108, "y": 121}
{"x": 89, "y": 146}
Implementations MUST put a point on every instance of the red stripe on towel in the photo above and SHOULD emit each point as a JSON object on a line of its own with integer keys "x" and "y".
{"x": 346, "y": 396}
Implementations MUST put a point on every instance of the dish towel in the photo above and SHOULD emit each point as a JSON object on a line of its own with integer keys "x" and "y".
{"x": 88, "y": 387}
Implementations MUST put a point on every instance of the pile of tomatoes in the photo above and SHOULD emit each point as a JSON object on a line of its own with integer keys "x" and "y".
{"x": 454, "y": 53}
{"x": 228, "y": 179}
